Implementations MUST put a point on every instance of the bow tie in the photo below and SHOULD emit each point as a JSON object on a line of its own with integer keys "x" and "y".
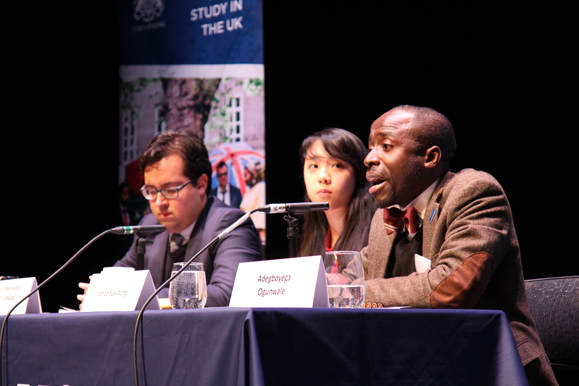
{"x": 395, "y": 220}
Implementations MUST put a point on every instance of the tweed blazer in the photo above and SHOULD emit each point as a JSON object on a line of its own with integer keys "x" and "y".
{"x": 470, "y": 240}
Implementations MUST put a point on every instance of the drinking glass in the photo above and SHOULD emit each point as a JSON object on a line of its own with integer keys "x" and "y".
{"x": 189, "y": 289}
{"x": 345, "y": 279}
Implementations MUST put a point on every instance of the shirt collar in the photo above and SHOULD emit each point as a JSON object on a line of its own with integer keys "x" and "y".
{"x": 421, "y": 201}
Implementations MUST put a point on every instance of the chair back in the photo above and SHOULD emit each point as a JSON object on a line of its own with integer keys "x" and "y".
{"x": 554, "y": 304}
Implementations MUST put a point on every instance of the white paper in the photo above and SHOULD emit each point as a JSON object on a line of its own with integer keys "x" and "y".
{"x": 294, "y": 282}
{"x": 421, "y": 263}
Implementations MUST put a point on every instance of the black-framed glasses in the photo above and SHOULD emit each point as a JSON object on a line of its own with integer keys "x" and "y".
{"x": 169, "y": 193}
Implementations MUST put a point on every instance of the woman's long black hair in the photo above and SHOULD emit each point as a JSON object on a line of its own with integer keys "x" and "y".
{"x": 345, "y": 146}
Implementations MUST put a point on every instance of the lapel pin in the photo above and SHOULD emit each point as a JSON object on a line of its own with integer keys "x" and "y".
{"x": 432, "y": 215}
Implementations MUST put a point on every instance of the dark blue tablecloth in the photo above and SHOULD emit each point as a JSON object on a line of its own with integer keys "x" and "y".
{"x": 281, "y": 346}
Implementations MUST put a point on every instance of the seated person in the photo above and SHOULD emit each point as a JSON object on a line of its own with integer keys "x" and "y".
{"x": 176, "y": 170}
{"x": 333, "y": 167}
{"x": 254, "y": 197}
{"x": 442, "y": 239}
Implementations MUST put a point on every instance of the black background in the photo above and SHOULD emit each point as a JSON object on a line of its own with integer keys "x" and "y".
{"x": 504, "y": 76}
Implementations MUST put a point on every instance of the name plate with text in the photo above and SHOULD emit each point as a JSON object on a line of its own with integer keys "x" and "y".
{"x": 120, "y": 289}
{"x": 293, "y": 282}
{"x": 12, "y": 291}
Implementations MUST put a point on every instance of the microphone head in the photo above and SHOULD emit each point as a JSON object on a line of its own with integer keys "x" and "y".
{"x": 141, "y": 230}
{"x": 296, "y": 208}
{"x": 299, "y": 208}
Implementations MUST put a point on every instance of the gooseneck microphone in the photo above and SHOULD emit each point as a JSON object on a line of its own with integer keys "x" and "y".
{"x": 292, "y": 211}
{"x": 296, "y": 208}
{"x": 140, "y": 230}
{"x": 173, "y": 277}
{"x": 148, "y": 229}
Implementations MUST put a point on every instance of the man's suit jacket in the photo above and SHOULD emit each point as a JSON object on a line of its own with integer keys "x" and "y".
{"x": 470, "y": 239}
{"x": 219, "y": 261}
{"x": 234, "y": 195}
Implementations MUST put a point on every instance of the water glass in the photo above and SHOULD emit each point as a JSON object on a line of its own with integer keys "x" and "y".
{"x": 345, "y": 279}
{"x": 189, "y": 289}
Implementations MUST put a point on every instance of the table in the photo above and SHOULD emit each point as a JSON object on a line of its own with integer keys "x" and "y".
{"x": 274, "y": 346}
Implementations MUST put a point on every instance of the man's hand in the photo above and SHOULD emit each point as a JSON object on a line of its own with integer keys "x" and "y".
{"x": 337, "y": 279}
{"x": 81, "y": 297}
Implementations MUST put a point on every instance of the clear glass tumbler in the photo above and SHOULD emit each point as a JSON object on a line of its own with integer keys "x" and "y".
{"x": 189, "y": 289}
{"x": 345, "y": 279}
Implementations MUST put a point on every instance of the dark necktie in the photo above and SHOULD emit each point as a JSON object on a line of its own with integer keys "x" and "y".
{"x": 396, "y": 220}
{"x": 176, "y": 252}
{"x": 176, "y": 242}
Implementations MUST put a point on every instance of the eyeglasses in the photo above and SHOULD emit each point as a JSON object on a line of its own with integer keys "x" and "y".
{"x": 221, "y": 174}
{"x": 169, "y": 193}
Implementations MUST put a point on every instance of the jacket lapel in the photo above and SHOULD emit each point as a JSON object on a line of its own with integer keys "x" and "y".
{"x": 380, "y": 252}
{"x": 431, "y": 216}
{"x": 196, "y": 238}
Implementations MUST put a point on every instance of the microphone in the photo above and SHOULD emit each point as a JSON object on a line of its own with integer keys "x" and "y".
{"x": 296, "y": 208}
{"x": 173, "y": 277}
{"x": 118, "y": 231}
{"x": 141, "y": 230}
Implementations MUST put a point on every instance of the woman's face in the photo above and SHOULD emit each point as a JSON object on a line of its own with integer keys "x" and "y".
{"x": 328, "y": 178}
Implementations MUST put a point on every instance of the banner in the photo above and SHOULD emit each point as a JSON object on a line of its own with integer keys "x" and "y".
{"x": 194, "y": 65}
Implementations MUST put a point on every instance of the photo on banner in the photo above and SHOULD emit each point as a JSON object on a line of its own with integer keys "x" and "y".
{"x": 195, "y": 65}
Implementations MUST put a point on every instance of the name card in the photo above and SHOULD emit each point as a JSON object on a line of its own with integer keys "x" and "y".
{"x": 12, "y": 291}
{"x": 120, "y": 289}
{"x": 294, "y": 282}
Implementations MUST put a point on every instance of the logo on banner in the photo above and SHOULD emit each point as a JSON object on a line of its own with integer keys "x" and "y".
{"x": 148, "y": 10}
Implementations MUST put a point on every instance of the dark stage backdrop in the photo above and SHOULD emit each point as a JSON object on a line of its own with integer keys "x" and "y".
{"x": 505, "y": 77}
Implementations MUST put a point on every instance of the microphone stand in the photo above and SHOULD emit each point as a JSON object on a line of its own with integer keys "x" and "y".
{"x": 140, "y": 253}
{"x": 173, "y": 277}
{"x": 118, "y": 231}
{"x": 293, "y": 234}
{"x": 42, "y": 285}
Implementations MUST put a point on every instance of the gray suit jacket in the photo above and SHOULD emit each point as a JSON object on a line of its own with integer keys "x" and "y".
{"x": 220, "y": 261}
{"x": 470, "y": 239}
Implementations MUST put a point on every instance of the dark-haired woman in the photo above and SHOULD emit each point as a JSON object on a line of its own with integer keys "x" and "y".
{"x": 334, "y": 171}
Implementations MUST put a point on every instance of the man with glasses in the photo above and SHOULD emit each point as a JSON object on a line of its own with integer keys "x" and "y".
{"x": 176, "y": 170}
{"x": 226, "y": 192}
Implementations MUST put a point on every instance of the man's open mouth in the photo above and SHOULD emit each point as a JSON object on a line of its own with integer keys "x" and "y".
{"x": 374, "y": 179}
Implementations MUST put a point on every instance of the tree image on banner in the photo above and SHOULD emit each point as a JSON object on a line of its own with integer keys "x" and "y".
{"x": 187, "y": 103}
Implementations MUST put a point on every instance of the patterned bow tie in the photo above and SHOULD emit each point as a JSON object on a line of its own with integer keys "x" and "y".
{"x": 396, "y": 220}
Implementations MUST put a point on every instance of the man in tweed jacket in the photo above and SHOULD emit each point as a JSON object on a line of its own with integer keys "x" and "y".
{"x": 468, "y": 253}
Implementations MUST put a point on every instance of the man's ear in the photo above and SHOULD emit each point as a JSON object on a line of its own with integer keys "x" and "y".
{"x": 202, "y": 184}
{"x": 432, "y": 157}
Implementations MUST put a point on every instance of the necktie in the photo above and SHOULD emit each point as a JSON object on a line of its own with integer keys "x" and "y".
{"x": 126, "y": 217}
{"x": 176, "y": 242}
{"x": 396, "y": 220}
